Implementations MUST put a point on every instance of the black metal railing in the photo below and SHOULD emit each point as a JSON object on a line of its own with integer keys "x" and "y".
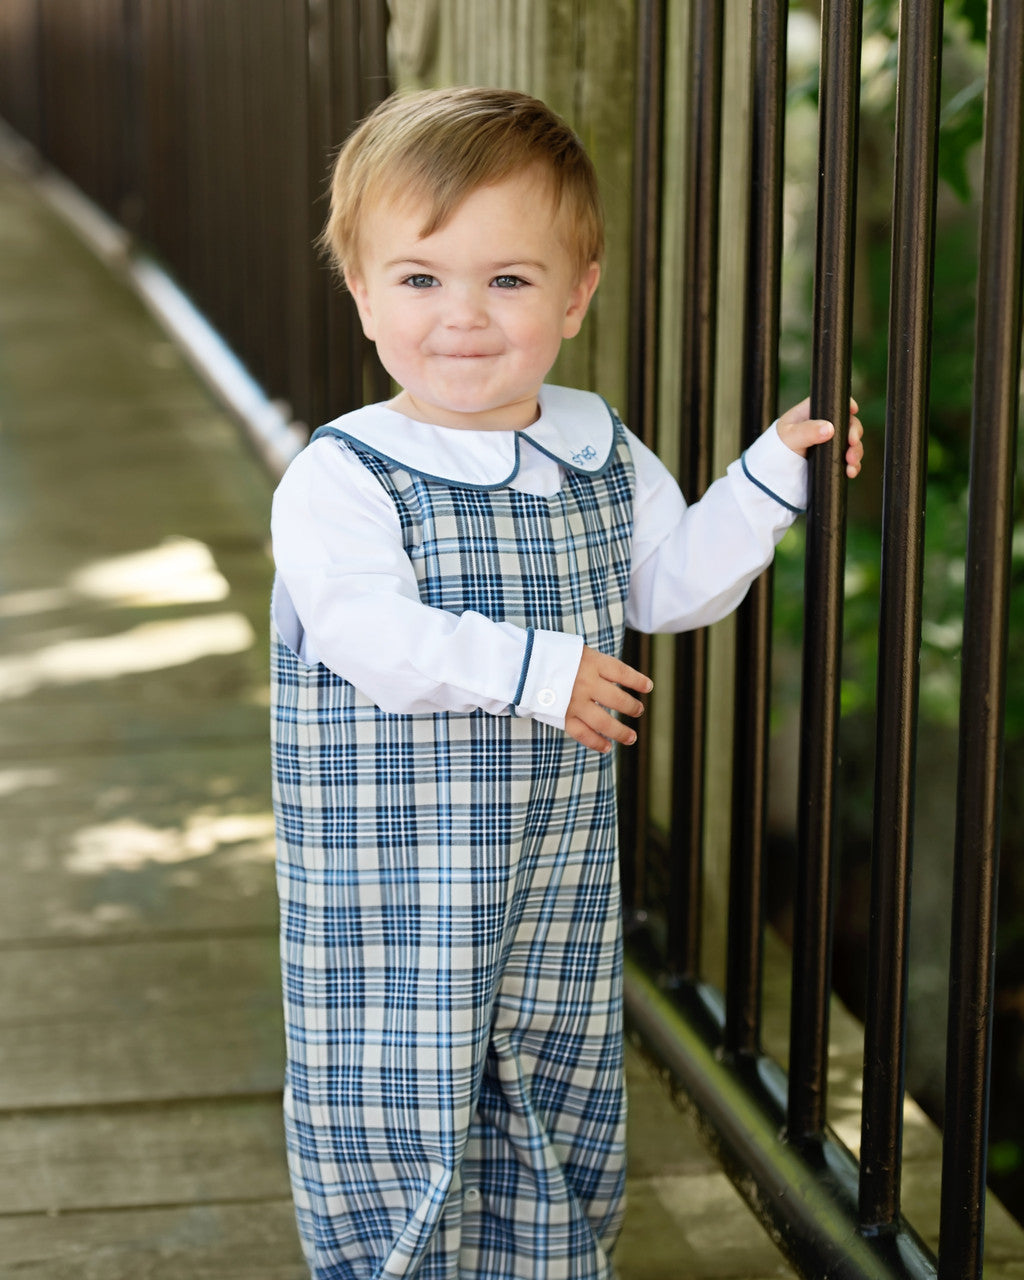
{"x": 206, "y": 131}
{"x": 834, "y": 1216}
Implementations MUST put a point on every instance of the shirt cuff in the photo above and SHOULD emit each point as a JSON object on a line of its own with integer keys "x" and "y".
{"x": 550, "y": 664}
{"x": 776, "y": 470}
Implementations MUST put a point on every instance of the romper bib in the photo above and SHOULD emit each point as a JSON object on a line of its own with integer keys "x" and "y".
{"x": 450, "y": 921}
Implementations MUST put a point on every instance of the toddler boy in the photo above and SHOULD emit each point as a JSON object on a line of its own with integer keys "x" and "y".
{"x": 456, "y": 568}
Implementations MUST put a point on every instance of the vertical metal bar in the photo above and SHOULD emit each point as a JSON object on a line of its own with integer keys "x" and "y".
{"x": 221, "y": 266}
{"x": 899, "y": 637}
{"x": 176, "y": 179}
{"x": 199, "y": 107}
{"x": 270, "y": 159}
{"x": 345, "y": 109}
{"x": 644, "y": 315}
{"x": 645, "y": 264}
{"x": 20, "y": 78}
{"x": 157, "y": 104}
{"x": 826, "y": 540}
{"x": 375, "y": 82}
{"x": 374, "y": 87}
{"x": 130, "y": 118}
{"x": 321, "y": 139}
{"x": 104, "y": 88}
{"x": 349, "y": 380}
{"x": 700, "y": 280}
{"x": 986, "y": 608}
{"x": 234, "y": 239}
{"x": 86, "y": 34}
{"x": 247, "y": 199}
{"x": 754, "y": 619}
{"x": 305, "y": 273}
{"x": 39, "y": 82}
{"x": 47, "y": 115}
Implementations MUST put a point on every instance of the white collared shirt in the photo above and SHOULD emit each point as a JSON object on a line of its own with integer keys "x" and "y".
{"x": 346, "y": 592}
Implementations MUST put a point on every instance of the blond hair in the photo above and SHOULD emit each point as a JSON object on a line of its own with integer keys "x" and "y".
{"x": 440, "y": 145}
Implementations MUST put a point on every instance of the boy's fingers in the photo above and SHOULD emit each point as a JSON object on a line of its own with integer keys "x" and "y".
{"x": 798, "y": 411}
{"x": 617, "y": 731}
{"x": 601, "y": 689}
{"x": 598, "y": 728}
{"x": 804, "y": 435}
{"x": 586, "y": 736}
{"x": 596, "y": 740}
{"x": 615, "y": 698}
{"x": 624, "y": 703}
{"x": 628, "y": 677}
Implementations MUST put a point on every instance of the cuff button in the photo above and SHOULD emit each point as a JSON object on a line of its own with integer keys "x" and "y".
{"x": 546, "y": 698}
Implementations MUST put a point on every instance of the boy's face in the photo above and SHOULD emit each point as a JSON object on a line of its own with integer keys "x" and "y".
{"x": 469, "y": 319}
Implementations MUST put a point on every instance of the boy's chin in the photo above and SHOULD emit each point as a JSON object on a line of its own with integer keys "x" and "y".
{"x": 469, "y": 414}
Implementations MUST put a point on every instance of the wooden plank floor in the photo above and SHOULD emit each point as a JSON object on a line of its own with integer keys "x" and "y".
{"x": 140, "y": 1030}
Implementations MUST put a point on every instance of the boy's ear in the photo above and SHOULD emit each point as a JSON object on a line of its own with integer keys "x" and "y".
{"x": 356, "y": 287}
{"x": 579, "y": 300}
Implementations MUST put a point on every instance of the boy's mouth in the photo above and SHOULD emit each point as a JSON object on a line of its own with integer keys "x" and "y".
{"x": 466, "y": 355}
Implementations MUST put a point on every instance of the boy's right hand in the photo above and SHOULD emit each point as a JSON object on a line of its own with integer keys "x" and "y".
{"x": 800, "y": 433}
{"x": 600, "y": 688}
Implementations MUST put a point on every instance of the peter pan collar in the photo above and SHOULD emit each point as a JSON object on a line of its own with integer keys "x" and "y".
{"x": 576, "y": 428}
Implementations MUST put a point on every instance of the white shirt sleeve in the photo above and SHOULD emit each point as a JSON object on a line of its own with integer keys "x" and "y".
{"x": 692, "y": 565}
{"x": 346, "y": 595}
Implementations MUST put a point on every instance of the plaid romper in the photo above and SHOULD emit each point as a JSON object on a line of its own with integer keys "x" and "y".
{"x": 450, "y": 918}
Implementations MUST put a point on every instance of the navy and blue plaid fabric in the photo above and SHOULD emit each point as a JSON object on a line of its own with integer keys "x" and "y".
{"x": 451, "y": 925}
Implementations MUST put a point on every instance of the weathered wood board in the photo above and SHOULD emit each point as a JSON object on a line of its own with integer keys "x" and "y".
{"x": 140, "y": 1021}
{"x": 215, "y": 1150}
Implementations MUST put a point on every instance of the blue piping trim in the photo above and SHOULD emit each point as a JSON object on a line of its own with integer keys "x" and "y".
{"x": 572, "y": 466}
{"x": 526, "y": 666}
{"x": 336, "y": 433}
{"x": 356, "y": 443}
{"x": 770, "y": 492}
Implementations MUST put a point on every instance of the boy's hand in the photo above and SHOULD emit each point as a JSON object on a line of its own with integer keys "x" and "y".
{"x": 799, "y": 432}
{"x": 600, "y": 688}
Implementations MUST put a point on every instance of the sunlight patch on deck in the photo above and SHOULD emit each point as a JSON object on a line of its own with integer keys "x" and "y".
{"x": 152, "y": 646}
{"x": 129, "y": 845}
{"x": 178, "y": 571}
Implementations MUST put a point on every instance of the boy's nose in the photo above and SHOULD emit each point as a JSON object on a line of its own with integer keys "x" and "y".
{"x": 466, "y": 310}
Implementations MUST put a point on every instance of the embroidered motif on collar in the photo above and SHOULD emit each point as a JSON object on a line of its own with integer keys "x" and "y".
{"x": 576, "y": 428}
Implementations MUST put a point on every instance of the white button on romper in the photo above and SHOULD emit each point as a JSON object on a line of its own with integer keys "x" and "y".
{"x": 451, "y": 922}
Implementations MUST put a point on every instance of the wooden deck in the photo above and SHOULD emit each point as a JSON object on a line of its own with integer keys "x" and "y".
{"x": 140, "y": 1054}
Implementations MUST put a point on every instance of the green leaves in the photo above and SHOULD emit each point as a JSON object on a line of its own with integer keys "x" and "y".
{"x": 961, "y": 124}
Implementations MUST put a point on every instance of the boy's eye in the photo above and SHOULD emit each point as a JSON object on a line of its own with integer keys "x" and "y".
{"x": 508, "y": 282}
{"x": 420, "y": 281}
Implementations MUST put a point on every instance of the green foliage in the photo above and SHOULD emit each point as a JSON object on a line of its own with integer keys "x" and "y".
{"x": 961, "y": 127}
{"x": 1005, "y": 1157}
{"x": 974, "y": 13}
{"x": 961, "y": 121}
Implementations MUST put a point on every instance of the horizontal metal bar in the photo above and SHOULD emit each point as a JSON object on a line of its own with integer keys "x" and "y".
{"x": 809, "y": 1206}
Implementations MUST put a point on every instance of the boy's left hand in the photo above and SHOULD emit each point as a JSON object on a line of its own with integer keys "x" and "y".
{"x": 800, "y": 433}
